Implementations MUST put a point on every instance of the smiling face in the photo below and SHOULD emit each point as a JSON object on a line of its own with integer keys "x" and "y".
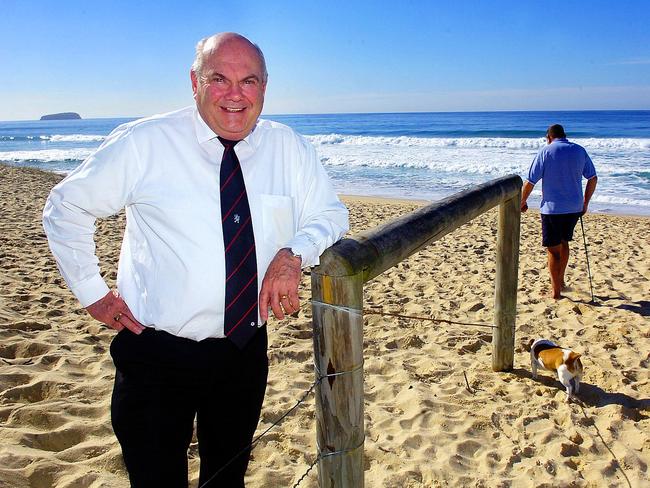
{"x": 229, "y": 85}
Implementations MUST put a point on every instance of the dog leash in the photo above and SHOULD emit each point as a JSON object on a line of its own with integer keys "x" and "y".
{"x": 584, "y": 239}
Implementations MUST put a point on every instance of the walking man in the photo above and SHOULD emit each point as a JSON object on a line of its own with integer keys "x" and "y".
{"x": 222, "y": 210}
{"x": 560, "y": 165}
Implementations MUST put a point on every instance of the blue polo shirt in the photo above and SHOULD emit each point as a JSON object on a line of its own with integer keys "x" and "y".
{"x": 561, "y": 165}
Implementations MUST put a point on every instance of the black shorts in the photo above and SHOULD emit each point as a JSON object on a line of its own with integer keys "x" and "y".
{"x": 558, "y": 227}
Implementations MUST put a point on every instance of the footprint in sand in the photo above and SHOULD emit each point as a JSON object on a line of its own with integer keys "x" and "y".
{"x": 36, "y": 392}
{"x": 28, "y": 325}
{"x": 12, "y": 380}
{"x": 23, "y": 349}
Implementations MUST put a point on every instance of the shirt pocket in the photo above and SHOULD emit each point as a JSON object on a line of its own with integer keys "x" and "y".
{"x": 277, "y": 220}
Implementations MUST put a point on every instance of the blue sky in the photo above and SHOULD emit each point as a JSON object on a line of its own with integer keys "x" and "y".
{"x": 131, "y": 58}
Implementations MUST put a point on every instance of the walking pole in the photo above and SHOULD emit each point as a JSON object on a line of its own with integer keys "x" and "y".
{"x": 584, "y": 239}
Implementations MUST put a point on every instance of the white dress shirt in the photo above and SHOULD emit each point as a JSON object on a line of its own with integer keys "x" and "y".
{"x": 164, "y": 170}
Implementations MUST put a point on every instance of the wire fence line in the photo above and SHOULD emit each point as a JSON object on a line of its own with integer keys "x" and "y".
{"x": 319, "y": 379}
{"x": 260, "y": 436}
{"x": 429, "y": 319}
{"x": 378, "y": 311}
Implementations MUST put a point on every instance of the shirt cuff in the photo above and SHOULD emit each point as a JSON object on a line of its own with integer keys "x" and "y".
{"x": 306, "y": 248}
{"x": 90, "y": 291}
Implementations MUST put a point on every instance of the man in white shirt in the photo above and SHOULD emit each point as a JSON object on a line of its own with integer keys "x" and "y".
{"x": 177, "y": 355}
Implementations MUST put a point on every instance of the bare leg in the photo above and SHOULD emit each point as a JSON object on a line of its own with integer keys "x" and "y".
{"x": 555, "y": 269}
{"x": 564, "y": 260}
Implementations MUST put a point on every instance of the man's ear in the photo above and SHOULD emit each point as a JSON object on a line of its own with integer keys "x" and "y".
{"x": 195, "y": 81}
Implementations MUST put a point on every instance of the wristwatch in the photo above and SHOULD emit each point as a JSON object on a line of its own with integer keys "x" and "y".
{"x": 294, "y": 253}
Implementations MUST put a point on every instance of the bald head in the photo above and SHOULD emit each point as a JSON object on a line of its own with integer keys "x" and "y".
{"x": 229, "y": 82}
{"x": 210, "y": 45}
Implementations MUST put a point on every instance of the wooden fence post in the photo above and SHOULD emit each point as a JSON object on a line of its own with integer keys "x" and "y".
{"x": 505, "y": 292}
{"x": 337, "y": 304}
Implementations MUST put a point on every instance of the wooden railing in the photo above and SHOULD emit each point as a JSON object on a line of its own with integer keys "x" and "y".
{"x": 337, "y": 308}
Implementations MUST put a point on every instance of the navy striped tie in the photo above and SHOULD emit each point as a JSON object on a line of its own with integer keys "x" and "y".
{"x": 240, "y": 316}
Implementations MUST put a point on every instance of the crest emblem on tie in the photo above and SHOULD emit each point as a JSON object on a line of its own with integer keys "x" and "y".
{"x": 236, "y": 218}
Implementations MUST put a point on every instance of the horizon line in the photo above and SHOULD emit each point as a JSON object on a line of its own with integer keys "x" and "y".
{"x": 353, "y": 113}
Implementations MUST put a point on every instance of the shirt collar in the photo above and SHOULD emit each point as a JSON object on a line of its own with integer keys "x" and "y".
{"x": 205, "y": 134}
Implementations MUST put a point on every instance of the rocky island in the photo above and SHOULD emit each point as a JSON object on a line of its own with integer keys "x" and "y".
{"x": 62, "y": 116}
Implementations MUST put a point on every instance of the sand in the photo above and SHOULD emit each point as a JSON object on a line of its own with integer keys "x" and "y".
{"x": 425, "y": 425}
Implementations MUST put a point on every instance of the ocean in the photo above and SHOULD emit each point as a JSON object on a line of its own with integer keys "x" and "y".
{"x": 423, "y": 156}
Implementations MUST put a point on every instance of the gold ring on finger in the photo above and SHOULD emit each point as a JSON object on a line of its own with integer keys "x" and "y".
{"x": 284, "y": 297}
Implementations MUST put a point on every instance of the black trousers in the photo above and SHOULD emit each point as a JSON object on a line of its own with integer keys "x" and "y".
{"x": 162, "y": 382}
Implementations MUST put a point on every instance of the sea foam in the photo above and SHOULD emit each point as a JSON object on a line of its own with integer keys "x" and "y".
{"x": 74, "y": 138}
{"x": 47, "y": 155}
{"x": 476, "y": 142}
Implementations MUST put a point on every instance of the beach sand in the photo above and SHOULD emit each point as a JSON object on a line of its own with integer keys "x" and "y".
{"x": 425, "y": 426}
